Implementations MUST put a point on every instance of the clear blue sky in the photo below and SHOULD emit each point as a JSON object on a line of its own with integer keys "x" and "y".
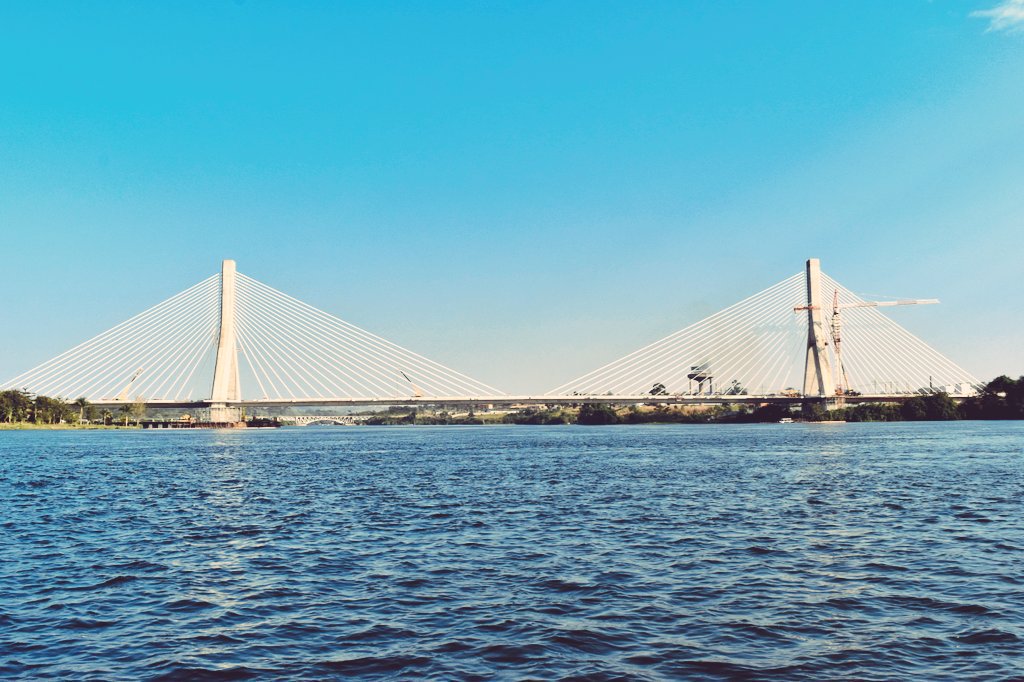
{"x": 520, "y": 190}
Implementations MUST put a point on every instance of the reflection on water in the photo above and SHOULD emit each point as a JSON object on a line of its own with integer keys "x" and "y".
{"x": 775, "y": 551}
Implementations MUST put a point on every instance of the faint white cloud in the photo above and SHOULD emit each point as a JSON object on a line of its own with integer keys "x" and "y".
{"x": 1006, "y": 16}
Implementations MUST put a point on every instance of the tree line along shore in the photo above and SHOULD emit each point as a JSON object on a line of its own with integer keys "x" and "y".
{"x": 1001, "y": 398}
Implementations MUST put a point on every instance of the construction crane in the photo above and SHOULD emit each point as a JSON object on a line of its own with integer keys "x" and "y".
{"x": 841, "y": 383}
{"x": 836, "y": 327}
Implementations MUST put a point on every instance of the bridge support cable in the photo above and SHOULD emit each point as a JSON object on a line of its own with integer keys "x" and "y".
{"x": 323, "y": 356}
{"x": 139, "y": 354}
{"x": 727, "y": 340}
{"x": 144, "y": 356}
{"x": 270, "y": 342}
{"x": 358, "y": 355}
{"x": 657, "y": 362}
{"x": 759, "y": 347}
{"x": 249, "y": 342}
{"x": 83, "y": 361}
{"x": 740, "y": 344}
{"x": 877, "y": 350}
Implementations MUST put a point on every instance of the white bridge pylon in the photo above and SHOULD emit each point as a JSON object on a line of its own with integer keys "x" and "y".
{"x": 232, "y": 339}
{"x": 765, "y": 346}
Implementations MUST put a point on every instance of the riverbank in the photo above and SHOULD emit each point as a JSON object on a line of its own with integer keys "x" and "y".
{"x": 29, "y": 426}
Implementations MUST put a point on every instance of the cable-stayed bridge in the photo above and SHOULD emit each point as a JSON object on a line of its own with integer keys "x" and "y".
{"x": 231, "y": 341}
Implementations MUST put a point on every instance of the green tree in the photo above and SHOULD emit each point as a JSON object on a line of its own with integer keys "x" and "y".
{"x": 138, "y": 410}
{"x": 813, "y": 411}
{"x": 914, "y": 410}
{"x": 932, "y": 407}
{"x": 736, "y": 388}
{"x": 940, "y": 407}
{"x": 82, "y": 404}
{"x": 1001, "y": 398}
{"x": 591, "y": 414}
{"x": 51, "y": 410}
{"x": 15, "y": 406}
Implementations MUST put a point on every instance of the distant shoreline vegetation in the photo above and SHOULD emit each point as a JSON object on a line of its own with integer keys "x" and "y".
{"x": 21, "y": 409}
{"x": 1001, "y": 398}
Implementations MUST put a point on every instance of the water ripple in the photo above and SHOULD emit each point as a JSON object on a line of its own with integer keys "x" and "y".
{"x": 782, "y": 552}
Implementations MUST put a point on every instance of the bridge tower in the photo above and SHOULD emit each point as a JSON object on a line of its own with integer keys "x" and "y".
{"x": 817, "y": 369}
{"x": 226, "y": 387}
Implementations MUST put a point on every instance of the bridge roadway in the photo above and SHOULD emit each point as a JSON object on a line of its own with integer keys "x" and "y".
{"x": 512, "y": 400}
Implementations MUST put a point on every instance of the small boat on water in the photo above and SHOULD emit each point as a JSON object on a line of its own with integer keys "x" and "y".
{"x": 786, "y": 420}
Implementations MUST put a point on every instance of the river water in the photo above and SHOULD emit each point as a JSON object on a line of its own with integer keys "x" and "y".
{"x": 871, "y": 551}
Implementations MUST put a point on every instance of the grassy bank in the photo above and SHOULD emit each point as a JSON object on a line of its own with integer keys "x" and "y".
{"x": 29, "y": 426}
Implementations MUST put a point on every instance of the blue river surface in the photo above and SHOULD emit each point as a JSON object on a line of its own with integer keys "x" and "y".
{"x": 777, "y": 551}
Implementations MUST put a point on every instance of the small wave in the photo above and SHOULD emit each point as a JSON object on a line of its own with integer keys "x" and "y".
{"x": 511, "y": 653}
{"x": 938, "y": 605}
{"x": 845, "y": 603}
{"x": 247, "y": 531}
{"x": 86, "y": 624}
{"x": 586, "y": 640}
{"x": 139, "y": 565}
{"x": 190, "y": 605}
{"x": 219, "y": 638}
{"x": 381, "y": 632}
{"x": 22, "y": 647}
{"x": 453, "y": 647}
{"x": 274, "y": 593}
{"x": 987, "y": 637}
{"x": 558, "y": 585}
{"x": 760, "y": 549}
{"x": 184, "y": 673}
{"x": 757, "y": 632}
{"x": 374, "y": 665}
{"x": 110, "y": 582}
{"x": 696, "y": 669}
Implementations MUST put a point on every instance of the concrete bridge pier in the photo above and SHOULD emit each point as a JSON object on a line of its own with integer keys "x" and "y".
{"x": 220, "y": 413}
{"x": 226, "y": 387}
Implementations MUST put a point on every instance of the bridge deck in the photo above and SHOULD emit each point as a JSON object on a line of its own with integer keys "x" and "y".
{"x": 524, "y": 400}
